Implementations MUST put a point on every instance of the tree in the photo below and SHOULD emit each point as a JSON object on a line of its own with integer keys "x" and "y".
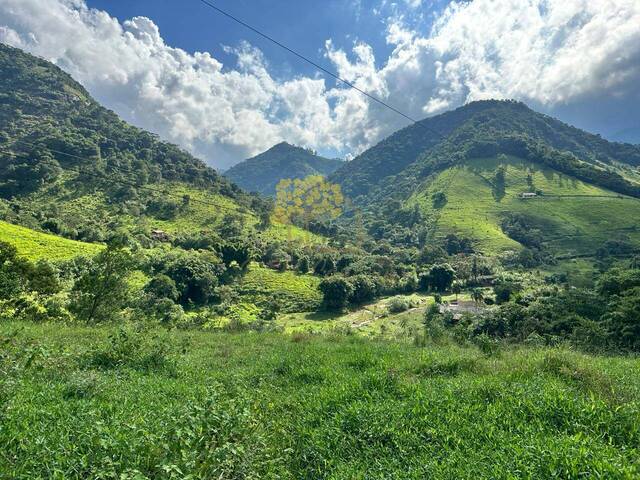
{"x": 439, "y": 278}
{"x": 303, "y": 264}
{"x": 310, "y": 199}
{"x": 439, "y": 199}
{"x": 456, "y": 288}
{"x": 477, "y": 295}
{"x": 13, "y": 271}
{"x": 195, "y": 275}
{"x": 336, "y": 291}
{"x": 162, "y": 286}
{"x": 101, "y": 291}
{"x": 44, "y": 278}
{"x": 624, "y": 319}
{"x": 231, "y": 226}
{"x": 364, "y": 289}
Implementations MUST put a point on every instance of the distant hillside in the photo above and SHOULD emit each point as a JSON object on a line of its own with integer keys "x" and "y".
{"x": 464, "y": 172}
{"x": 263, "y": 172}
{"x": 485, "y": 128}
{"x": 71, "y": 167}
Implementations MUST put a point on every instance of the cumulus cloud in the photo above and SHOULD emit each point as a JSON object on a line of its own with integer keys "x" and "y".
{"x": 559, "y": 55}
{"x": 545, "y": 52}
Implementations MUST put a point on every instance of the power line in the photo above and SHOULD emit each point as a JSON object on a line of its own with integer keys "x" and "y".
{"x": 316, "y": 65}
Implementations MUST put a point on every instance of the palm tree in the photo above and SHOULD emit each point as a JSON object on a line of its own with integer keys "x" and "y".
{"x": 477, "y": 295}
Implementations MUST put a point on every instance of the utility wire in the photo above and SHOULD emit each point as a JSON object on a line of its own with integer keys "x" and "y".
{"x": 316, "y": 65}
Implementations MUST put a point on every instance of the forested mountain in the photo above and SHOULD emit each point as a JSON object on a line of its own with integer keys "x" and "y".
{"x": 464, "y": 173}
{"x": 480, "y": 129}
{"x": 263, "y": 172}
{"x": 63, "y": 154}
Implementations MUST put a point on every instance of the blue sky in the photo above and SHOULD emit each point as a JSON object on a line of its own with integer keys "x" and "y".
{"x": 304, "y": 25}
{"x": 196, "y": 78}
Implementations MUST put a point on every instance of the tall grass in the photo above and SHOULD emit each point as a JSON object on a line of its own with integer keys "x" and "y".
{"x": 307, "y": 406}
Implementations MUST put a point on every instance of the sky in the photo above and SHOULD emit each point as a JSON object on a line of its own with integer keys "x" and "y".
{"x": 194, "y": 77}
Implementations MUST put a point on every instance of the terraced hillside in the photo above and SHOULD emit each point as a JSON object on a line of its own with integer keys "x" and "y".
{"x": 574, "y": 218}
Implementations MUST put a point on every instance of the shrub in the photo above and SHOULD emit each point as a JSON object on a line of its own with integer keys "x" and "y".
{"x": 130, "y": 347}
{"x": 399, "y": 304}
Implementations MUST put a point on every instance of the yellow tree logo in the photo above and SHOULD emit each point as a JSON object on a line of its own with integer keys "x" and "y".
{"x": 302, "y": 201}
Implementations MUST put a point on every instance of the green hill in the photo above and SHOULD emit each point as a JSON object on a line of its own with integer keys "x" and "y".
{"x": 572, "y": 217}
{"x": 481, "y": 129}
{"x": 263, "y": 172}
{"x": 73, "y": 168}
{"x": 588, "y": 188}
{"x": 35, "y": 245}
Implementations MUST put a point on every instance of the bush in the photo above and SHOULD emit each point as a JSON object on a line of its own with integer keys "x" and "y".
{"x": 399, "y": 304}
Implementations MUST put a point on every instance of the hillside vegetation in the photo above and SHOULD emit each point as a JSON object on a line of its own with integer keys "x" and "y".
{"x": 572, "y": 217}
{"x": 35, "y": 245}
{"x": 155, "y": 323}
{"x": 73, "y": 168}
{"x": 490, "y": 127}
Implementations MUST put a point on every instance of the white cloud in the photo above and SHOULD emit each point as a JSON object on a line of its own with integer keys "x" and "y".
{"x": 223, "y": 114}
{"x": 546, "y": 52}
{"x": 552, "y": 53}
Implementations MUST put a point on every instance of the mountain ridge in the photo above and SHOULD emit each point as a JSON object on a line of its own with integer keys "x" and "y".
{"x": 74, "y": 168}
{"x": 496, "y": 126}
{"x": 263, "y": 172}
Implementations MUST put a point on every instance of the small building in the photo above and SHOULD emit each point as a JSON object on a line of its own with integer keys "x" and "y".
{"x": 525, "y": 195}
{"x": 160, "y": 236}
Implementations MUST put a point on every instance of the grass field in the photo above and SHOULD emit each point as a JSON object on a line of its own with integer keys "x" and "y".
{"x": 575, "y": 218}
{"x": 35, "y": 245}
{"x": 75, "y": 404}
{"x": 371, "y": 320}
{"x": 298, "y": 293}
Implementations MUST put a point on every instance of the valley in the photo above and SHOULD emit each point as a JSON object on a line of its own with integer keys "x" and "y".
{"x": 459, "y": 300}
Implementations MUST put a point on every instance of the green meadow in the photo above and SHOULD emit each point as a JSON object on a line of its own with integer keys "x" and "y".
{"x": 115, "y": 402}
{"x": 574, "y": 218}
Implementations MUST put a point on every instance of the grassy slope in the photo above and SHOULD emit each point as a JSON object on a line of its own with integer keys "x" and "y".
{"x": 205, "y": 211}
{"x": 297, "y": 292}
{"x": 570, "y": 225}
{"x": 271, "y": 406}
{"x": 371, "y": 320}
{"x": 35, "y": 245}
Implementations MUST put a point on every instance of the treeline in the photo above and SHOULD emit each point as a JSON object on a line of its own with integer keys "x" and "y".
{"x": 603, "y": 318}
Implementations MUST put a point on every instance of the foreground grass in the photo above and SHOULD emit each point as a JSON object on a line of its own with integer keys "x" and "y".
{"x": 74, "y": 404}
